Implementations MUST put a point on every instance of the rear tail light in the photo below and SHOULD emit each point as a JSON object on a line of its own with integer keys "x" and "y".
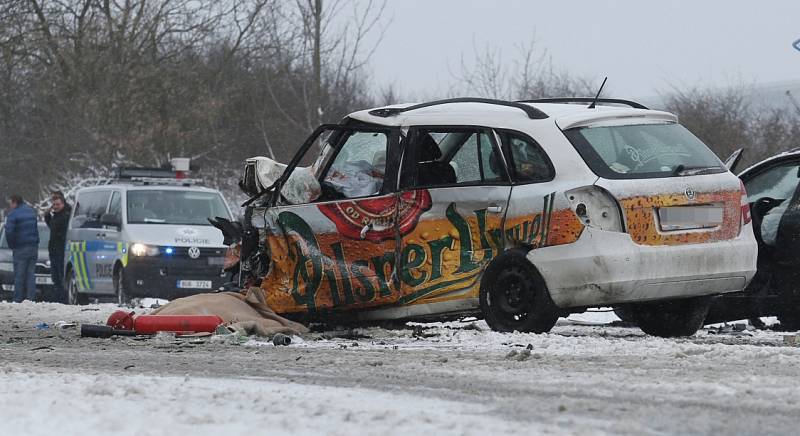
{"x": 596, "y": 208}
{"x": 745, "y": 205}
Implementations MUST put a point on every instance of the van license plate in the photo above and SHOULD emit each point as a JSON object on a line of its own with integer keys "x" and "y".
{"x": 194, "y": 284}
{"x": 44, "y": 280}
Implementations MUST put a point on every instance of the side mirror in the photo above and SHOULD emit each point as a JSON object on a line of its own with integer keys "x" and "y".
{"x": 111, "y": 220}
{"x": 733, "y": 160}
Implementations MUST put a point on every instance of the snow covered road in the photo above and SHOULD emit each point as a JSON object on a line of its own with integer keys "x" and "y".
{"x": 450, "y": 378}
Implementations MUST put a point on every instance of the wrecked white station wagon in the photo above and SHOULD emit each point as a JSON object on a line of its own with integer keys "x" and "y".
{"x": 518, "y": 212}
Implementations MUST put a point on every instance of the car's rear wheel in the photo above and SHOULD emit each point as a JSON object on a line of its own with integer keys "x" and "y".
{"x": 513, "y": 296}
{"x": 120, "y": 287}
{"x": 74, "y": 296}
{"x": 671, "y": 318}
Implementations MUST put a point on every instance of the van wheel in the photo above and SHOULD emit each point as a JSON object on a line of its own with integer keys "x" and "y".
{"x": 514, "y": 297}
{"x": 74, "y": 296}
{"x": 669, "y": 319}
{"x": 120, "y": 288}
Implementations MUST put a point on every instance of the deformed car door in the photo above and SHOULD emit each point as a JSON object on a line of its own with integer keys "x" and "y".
{"x": 338, "y": 250}
{"x": 456, "y": 187}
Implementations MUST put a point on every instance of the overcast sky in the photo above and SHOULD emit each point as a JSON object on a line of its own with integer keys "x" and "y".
{"x": 642, "y": 46}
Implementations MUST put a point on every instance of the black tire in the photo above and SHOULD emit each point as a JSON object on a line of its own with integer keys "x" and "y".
{"x": 74, "y": 296}
{"x": 121, "y": 287}
{"x": 514, "y": 297}
{"x": 674, "y": 318}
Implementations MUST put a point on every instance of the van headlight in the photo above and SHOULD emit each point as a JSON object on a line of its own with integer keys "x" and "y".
{"x": 144, "y": 250}
{"x": 6, "y": 267}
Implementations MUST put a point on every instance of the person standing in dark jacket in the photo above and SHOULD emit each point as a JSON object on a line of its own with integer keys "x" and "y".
{"x": 22, "y": 235}
{"x": 57, "y": 219}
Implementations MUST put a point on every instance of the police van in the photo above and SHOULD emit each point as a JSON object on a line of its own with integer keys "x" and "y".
{"x": 146, "y": 234}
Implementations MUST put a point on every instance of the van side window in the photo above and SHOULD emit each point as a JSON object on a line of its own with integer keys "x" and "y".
{"x": 527, "y": 161}
{"x": 89, "y": 207}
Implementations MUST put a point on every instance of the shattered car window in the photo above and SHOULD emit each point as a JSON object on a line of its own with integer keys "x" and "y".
{"x": 472, "y": 160}
{"x": 358, "y": 169}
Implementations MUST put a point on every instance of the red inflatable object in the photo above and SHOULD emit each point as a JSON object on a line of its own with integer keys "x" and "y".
{"x": 121, "y": 320}
{"x": 151, "y": 324}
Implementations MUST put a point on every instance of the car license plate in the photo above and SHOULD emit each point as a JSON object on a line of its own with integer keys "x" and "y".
{"x": 44, "y": 280}
{"x": 194, "y": 284}
{"x": 689, "y": 217}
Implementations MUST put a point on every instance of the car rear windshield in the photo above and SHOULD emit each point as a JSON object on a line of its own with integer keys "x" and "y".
{"x": 174, "y": 207}
{"x": 44, "y": 236}
{"x": 643, "y": 151}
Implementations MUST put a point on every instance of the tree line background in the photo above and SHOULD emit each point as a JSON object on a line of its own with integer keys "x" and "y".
{"x": 87, "y": 85}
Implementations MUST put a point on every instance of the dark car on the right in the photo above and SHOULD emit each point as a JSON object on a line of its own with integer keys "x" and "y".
{"x": 773, "y": 189}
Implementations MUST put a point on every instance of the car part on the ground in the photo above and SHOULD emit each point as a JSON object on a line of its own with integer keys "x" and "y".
{"x": 279, "y": 339}
{"x": 103, "y": 331}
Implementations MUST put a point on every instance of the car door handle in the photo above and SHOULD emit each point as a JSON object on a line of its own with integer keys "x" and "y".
{"x": 494, "y": 209}
{"x": 101, "y": 235}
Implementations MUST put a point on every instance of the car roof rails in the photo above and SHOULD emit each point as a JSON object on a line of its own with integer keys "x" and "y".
{"x": 630, "y": 103}
{"x": 532, "y": 112}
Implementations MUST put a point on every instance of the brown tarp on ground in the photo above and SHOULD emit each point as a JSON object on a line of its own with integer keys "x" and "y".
{"x": 245, "y": 311}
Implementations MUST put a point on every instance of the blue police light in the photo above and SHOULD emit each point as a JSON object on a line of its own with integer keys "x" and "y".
{"x": 169, "y": 250}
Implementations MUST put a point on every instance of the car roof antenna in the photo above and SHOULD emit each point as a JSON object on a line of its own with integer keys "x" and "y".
{"x": 594, "y": 102}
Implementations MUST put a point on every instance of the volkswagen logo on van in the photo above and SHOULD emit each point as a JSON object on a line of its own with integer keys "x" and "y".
{"x": 689, "y": 193}
{"x": 194, "y": 252}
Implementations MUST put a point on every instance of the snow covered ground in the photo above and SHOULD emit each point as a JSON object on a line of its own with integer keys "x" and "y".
{"x": 584, "y": 378}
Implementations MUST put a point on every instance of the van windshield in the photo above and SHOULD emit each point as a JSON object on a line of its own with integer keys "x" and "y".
{"x": 174, "y": 207}
{"x": 643, "y": 151}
